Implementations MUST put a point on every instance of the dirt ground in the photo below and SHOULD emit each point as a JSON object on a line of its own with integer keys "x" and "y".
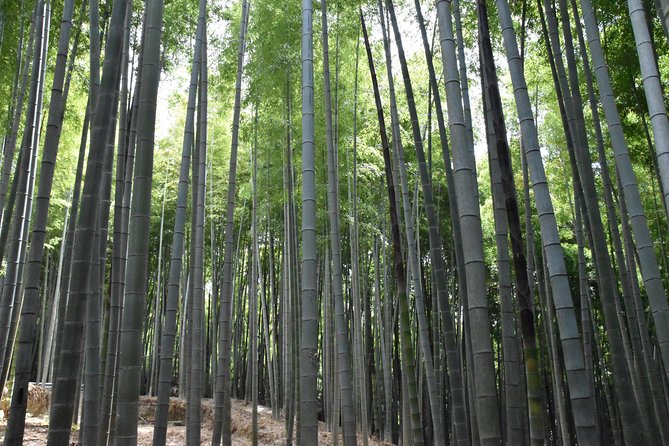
{"x": 270, "y": 431}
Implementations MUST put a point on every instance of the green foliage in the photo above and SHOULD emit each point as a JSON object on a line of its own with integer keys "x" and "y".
{"x": 272, "y": 78}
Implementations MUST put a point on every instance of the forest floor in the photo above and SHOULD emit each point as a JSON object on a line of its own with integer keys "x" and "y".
{"x": 271, "y": 432}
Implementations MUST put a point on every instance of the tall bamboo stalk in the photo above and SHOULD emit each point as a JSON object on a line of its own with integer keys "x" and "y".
{"x": 130, "y": 357}
{"x": 222, "y": 421}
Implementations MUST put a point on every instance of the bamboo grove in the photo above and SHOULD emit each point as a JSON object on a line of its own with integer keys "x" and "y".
{"x": 422, "y": 223}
